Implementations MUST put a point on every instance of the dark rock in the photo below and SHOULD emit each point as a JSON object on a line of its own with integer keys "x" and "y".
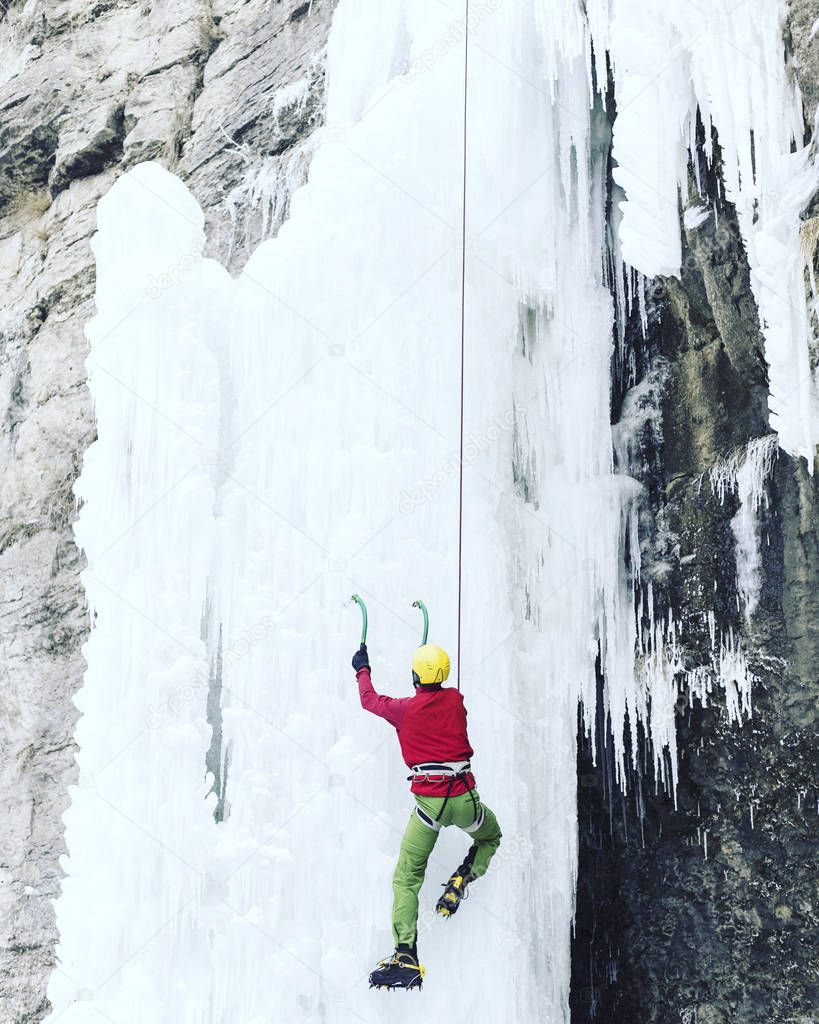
{"x": 92, "y": 152}
{"x": 27, "y": 153}
{"x": 686, "y": 912}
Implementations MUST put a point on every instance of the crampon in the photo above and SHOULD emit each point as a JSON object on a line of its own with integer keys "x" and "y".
{"x": 454, "y": 894}
{"x": 455, "y": 889}
{"x": 401, "y": 970}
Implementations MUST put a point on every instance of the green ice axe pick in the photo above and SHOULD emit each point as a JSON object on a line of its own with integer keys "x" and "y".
{"x": 425, "y": 613}
{"x": 363, "y": 608}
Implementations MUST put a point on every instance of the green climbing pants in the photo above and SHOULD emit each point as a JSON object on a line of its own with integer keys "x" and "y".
{"x": 417, "y": 844}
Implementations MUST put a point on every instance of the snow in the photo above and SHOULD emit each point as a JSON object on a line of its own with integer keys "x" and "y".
{"x": 270, "y": 444}
{"x": 292, "y": 96}
{"x": 694, "y": 216}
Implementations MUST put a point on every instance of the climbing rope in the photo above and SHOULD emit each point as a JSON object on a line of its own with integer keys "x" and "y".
{"x": 463, "y": 348}
{"x": 420, "y": 604}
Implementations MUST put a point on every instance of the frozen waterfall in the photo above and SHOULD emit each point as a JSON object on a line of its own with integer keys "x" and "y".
{"x": 269, "y": 444}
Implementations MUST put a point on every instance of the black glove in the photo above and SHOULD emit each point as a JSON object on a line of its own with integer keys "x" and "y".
{"x": 360, "y": 658}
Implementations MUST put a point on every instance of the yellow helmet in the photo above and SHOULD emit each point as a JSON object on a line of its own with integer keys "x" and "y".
{"x": 430, "y": 665}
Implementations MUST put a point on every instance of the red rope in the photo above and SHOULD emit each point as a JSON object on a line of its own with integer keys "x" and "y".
{"x": 463, "y": 348}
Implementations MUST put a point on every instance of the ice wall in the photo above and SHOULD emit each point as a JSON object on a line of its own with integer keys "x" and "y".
{"x": 329, "y": 397}
{"x": 138, "y": 825}
{"x": 270, "y": 444}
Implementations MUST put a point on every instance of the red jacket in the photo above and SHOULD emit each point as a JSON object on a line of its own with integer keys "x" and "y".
{"x": 431, "y": 727}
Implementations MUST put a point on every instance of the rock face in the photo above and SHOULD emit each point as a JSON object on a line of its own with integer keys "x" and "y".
{"x": 225, "y": 94}
{"x": 706, "y": 912}
{"x": 800, "y": 40}
{"x": 228, "y": 94}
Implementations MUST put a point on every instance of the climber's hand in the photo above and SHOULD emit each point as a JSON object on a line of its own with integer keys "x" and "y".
{"x": 361, "y": 659}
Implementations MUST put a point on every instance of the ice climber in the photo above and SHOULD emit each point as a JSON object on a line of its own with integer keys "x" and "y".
{"x": 431, "y": 728}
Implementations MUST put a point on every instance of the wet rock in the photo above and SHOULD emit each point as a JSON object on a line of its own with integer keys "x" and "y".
{"x": 687, "y": 912}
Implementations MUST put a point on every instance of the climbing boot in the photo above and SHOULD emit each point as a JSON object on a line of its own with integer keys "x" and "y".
{"x": 455, "y": 888}
{"x": 401, "y": 970}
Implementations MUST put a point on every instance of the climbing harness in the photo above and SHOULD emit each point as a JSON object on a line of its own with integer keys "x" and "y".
{"x": 437, "y": 771}
{"x": 450, "y": 772}
{"x": 476, "y": 824}
{"x": 425, "y": 819}
{"x": 463, "y": 347}
{"x": 463, "y": 776}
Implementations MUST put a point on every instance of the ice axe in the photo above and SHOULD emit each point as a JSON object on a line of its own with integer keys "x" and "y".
{"x": 425, "y": 613}
{"x": 360, "y": 602}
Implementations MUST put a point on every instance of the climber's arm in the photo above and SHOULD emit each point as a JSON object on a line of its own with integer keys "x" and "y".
{"x": 390, "y": 708}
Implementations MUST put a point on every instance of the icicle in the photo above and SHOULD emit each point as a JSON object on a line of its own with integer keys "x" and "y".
{"x": 756, "y": 112}
{"x": 746, "y": 472}
{"x": 641, "y": 298}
